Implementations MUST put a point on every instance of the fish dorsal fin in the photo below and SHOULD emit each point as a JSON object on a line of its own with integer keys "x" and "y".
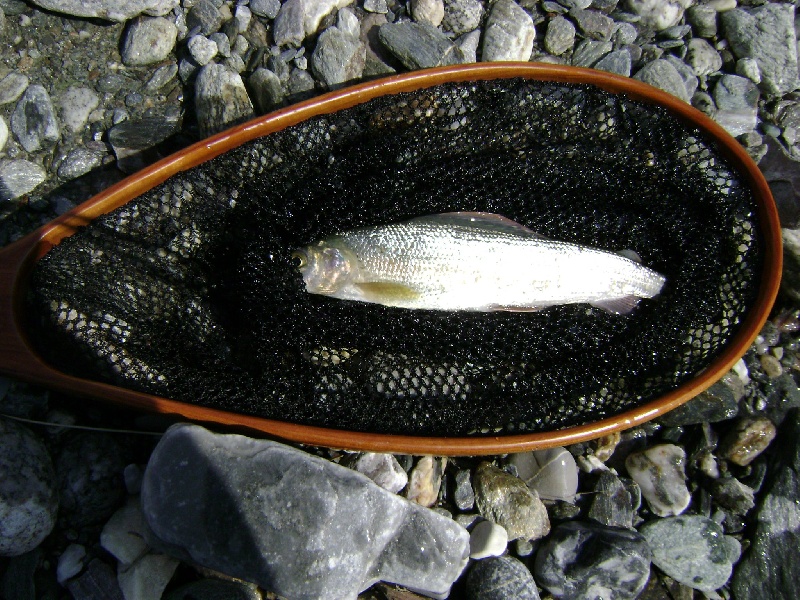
{"x": 386, "y": 291}
{"x": 479, "y": 220}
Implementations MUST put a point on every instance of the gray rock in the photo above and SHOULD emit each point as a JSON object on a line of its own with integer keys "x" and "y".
{"x": 766, "y": 34}
{"x": 28, "y": 498}
{"x": 147, "y": 577}
{"x": 427, "y": 11}
{"x": 133, "y": 140}
{"x": 464, "y": 495}
{"x": 500, "y": 578}
{"x": 70, "y": 563}
{"x": 419, "y": 45}
{"x": 717, "y": 403}
{"x": 588, "y": 52}
{"x": 298, "y": 525}
{"x": 579, "y": 4}
{"x": 221, "y": 99}
{"x": 19, "y": 177}
{"x": 149, "y": 41}
{"x": 33, "y": 121}
{"x": 702, "y": 57}
{"x": 77, "y": 103}
{"x": 161, "y": 77}
{"x": 658, "y": 14}
{"x": 509, "y": 502}
{"x": 625, "y": 34}
{"x": 692, "y": 549}
{"x": 3, "y": 133}
{"x": 468, "y": 44}
{"x": 215, "y": 589}
{"x": 690, "y": 80}
{"x": 618, "y": 61}
{"x": 123, "y": 536}
{"x": 560, "y": 36}
{"x": 769, "y": 567}
{"x": 508, "y": 33}
{"x": 733, "y": 495}
{"x": 338, "y": 57}
{"x": 462, "y": 16}
{"x": 265, "y": 8}
{"x": 376, "y": 6}
{"x": 112, "y": 10}
{"x": 659, "y": 472}
{"x": 89, "y": 470}
{"x": 266, "y": 90}
{"x": 585, "y": 560}
{"x": 737, "y": 102}
{"x": 300, "y": 85}
{"x": 347, "y": 21}
{"x": 612, "y": 504}
{"x": 703, "y": 19}
{"x": 593, "y": 24}
{"x": 383, "y": 469}
{"x": 552, "y": 473}
{"x": 222, "y": 42}
{"x": 79, "y": 161}
{"x": 12, "y": 87}
{"x": 487, "y": 539}
{"x": 298, "y": 19}
{"x": 97, "y": 581}
{"x": 202, "y": 49}
{"x": 205, "y": 15}
{"x": 662, "y": 74}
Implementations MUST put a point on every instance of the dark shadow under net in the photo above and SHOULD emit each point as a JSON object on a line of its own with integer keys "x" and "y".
{"x": 189, "y": 292}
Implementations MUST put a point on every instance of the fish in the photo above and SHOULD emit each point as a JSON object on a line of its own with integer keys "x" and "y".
{"x": 471, "y": 261}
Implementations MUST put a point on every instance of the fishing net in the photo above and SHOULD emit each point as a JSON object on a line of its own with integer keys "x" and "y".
{"x": 189, "y": 291}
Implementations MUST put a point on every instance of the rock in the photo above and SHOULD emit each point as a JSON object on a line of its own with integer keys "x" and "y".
{"x": 419, "y": 45}
{"x": 588, "y": 52}
{"x": 659, "y": 472}
{"x": 149, "y": 41}
{"x": 300, "y": 85}
{"x": 552, "y": 473}
{"x": 204, "y": 14}
{"x": 77, "y": 103}
{"x": 612, "y": 504}
{"x": 161, "y": 77}
{"x": 702, "y": 57}
{"x": 737, "y": 102}
{"x": 425, "y": 480}
{"x": 33, "y": 121}
{"x": 593, "y": 24}
{"x": 487, "y": 539}
{"x": 468, "y": 45}
{"x": 28, "y": 496}
{"x": 89, "y": 471}
{"x": 202, "y": 49}
{"x": 266, "y": 90}
{"x": 662, "y": 74}
{"x": 221, "y": 99}
{"x": 462, "y": 16}
{"x": 560, "y": 36}
{"x": 626, "y": 34}
{"x": 508, "y": 33}
{"x": 123, "y": 536}
{"x": 464, "y": 495}
{"x": 692, "y": 549}
{"x": 769, "y": 567}
{"x": 703, "y": 19}
{"x": 265, "y": 8}
{"x": 427, "y": 11}
{"x": 19, "y": 177}
{"x": 618, "y": 61}
{"x": 147, "y": 577}
{"x": 338, "y": 57}
{"x": 383, "y": 469}
{"x": 783, "y": 176}
{"x": 715, "y": 404}
{"x": 509, "y": 502}
{"x": 376, "y": 6}
{"x": 96, "y": 582}
{"x": 298, "y": 525}
{"x": 748, "y": 67}
{"x": 347, "y": 21}
{"x": 215, "y": 589}
{"x": 767, "y": 35}
{"x": 134, "y": 141}
{"x": 749, "y": 438}
{"x": 686, "y": 73}
{"x": 732, "y": 494}
{"x": 658, "y": 14}
{"x": 242, "y": 18}
{"x": 12, "y": 86}
{"x": 584, "y": 560}
{"x": 111, "y": 10}
{"x": 298, "y": 19}
{"x": 500, "y": 578}
{"x": 78, "y": 162}
{"x": 70, "y": 563}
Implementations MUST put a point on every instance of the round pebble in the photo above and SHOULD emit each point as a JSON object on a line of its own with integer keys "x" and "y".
{"x": 500, "y": 578}
{"x": 487, "y": 539}
{"x": 659, "y": 471}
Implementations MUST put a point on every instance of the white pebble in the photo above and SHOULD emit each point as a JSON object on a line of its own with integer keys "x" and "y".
{"x": 487, "y": 539}
{"x": 383, "y": 469}
{"x": 777, "y": 352}
{"x": 70, "y": 563}
{"x": 590, "y": 463}
{"x": 771, "y": 365}
{"x": 741, "y": 371}
{"x": 659, "y": 471}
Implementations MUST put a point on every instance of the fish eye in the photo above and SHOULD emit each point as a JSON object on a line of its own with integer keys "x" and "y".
{"x": 299, "y": 259}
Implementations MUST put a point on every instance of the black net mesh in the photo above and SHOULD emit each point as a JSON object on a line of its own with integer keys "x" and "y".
{"x": 189, "y": 291}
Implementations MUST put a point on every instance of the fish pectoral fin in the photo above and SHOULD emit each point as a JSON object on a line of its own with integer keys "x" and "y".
{"x": 386, "y": 291}
{"x": 619, "y": 306}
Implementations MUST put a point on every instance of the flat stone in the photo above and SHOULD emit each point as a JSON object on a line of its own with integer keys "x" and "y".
{"x": 338, "y": 57}
{"x": 464, "y": 495}
{"x": 588, "y": 52}
{"x": 693, "y": 550}
{"x": 298, "y": 525}
{"x": 133, "y": 141}
{"x": 161, "y": 77}
{"x": 419, "y": 45}
{"x": 662, "y": 74}
{"x": 12, "y": 86}
{"x": 552, "y": 473}
{"x": 618, "y": 61}
{"x": 508, "y": 33}
{"x": 204, "y": 14}
{"x": 426, "y": 480}
{"x": 265, "y": 8}
{"x": 560, "y": 36}
{"x": 767, "y": 35}
{"x": 383, "y": 469}
{"x": 111, "y": 10}
{"x": 487, "y": 539}
{"x": 34, "y": 121}
{"x": 659, "y": 472}
{"x": 77, "y": 103}
{"x": 462, "y": 16}
{"x": 427, "y": 11}
{"x": 28, "y": 495}
{"x": 612, "y": 503}
{"x": 734, "y": 93}
{"x": 221, "y": 99}
{"x": 715, "y": 404}
{"x": 658, "y": 14}
{"x": 79, "y": 161}
{"x": 747, "y": 440}
{"x": 509, "y": 502}
{"x": 149, "y": 41}
{"x": 500, "y": 578}
{"x": 19, "y": 177}
{"x": 593, "y": 24}
{"x": 585, "y": 560}
{"x": 202, "y": 49}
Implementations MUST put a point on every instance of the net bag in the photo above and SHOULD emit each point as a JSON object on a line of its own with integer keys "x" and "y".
{"x": 189, "y": 291}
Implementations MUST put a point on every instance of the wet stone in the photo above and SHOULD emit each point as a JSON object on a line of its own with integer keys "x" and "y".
{"x": 693, "y": 550}
{"x": 593, "y": 24}
{"x": 500, "y": 578}
{"x": 149, "y": 41}
{"x": 338, "y": 57}
{"x": 659, "y": 472}
{"x": 293, "y": 514}
{"x": 462, "y": 16}
{"x": 732, "y": 494}
{"x": 552, "y": 473}
{"x": 12, "y": 86}
{"x": 78, "y": 162}
{"x": 419, "y": 45}
{"x": 560, "y": 36}
{"x": 464, "y": 495}
{"x": 717, "y": 403}
{"x": 508, "y": 33}
{"x": 28, "y": 496}
{"x": 34, "y": 121}
{"x": 19, "y": 177}
{"x": 112, "y": 10}
{"x": 749, "y": 438}
{"x": 221, "y": 99}
{"x": 383, "y": 469}
{"x": 265, "y": 8}
{"x": 662, "y": 74}
{"x": 585, "y": 560}
{"x": 612, "y": 504}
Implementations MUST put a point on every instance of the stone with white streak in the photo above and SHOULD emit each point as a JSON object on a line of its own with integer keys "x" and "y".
{"x": 221, "y": 99}
{"x": 659, "y": 471}
{"x": 508, "y": 34}
{"x": 298, "y": 19}
{"x": 19, "y": 177}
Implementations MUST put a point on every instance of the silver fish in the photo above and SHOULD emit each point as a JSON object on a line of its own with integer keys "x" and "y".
{"x": 471, "y": 261}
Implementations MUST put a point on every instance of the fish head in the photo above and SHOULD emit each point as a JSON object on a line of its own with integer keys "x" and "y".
{"x": 325, "y": 268}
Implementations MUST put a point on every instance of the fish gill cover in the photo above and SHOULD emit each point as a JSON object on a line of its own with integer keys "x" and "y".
{"x": 189, "y": 291}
